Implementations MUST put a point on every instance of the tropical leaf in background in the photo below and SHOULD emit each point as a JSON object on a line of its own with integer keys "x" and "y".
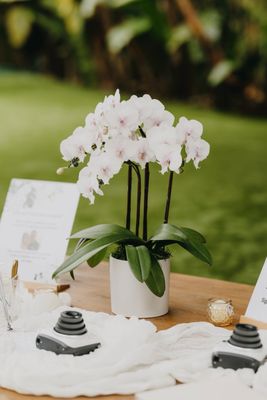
{"x": 88, "y": 7}
{"x": 18, "y": 24}
{"x": 212, "y": 24}
{"x": 121, "y": 35}
{"x": 64, "y": 8}
{"x": 179, "y": 35}
{"x": 220, "y": 72}
{"x": 182, "y": 34}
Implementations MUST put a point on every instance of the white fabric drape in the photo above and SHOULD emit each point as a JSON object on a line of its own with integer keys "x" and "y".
{"x": 133, "y": 357}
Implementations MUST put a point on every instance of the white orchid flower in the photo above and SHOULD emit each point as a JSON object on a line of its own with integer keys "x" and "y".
{"x": 119, "y": 147}
{"x": 189, "y": 129}
{"x": 143, "y": 105}
{"x": 88, "y": 184}
{"x": 92, "y": 121}
{"x": 159, "y": 119}
{"x": 109, "y": 104}
{"x": 105, "y": 166}
{"x": 96, "y": 126}
{"x": 112, "y": 101}
{"x": 73, "y": 147}
{"x": 123, "y": 118}
{"x": 156, "y": 115}
{"x": 85, "y": 138}
{"x": 169, "y": 158}
{"x": 142, "y": 153}
{"x": 164, "y": 142}
{"x": 111, "y": 137}
{"x": 197, "y": 151}
{"x": 159, "y": 136}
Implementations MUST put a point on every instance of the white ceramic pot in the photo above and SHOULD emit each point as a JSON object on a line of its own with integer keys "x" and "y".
{"x": 129, "y": 297}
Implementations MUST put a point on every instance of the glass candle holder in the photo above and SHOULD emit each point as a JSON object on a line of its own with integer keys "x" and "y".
{"x": 8, "y": 300}
{"x": 220, "y": 311}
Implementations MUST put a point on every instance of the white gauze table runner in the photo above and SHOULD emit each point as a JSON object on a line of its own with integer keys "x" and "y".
{"x": 133, "y": 357}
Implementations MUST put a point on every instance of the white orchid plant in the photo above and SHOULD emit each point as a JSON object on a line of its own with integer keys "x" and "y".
{"x": 133, "y": 133}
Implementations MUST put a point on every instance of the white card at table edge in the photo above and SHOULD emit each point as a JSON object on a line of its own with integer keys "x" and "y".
{"x": 257, "y": 307}
{"x": 36, "y": 221}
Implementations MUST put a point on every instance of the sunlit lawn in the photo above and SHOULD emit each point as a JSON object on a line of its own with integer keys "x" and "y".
{"x": 226, "y": 199}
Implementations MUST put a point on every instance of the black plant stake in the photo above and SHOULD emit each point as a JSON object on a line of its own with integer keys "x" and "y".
{"x": 146, "y": 190}
{"x": 138, "y": 200}
{"x": 168, "y": 200}
{"x": 129, "y": 198}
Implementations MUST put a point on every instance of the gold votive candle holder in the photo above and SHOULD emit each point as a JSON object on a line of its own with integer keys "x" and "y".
{"x": 220, "y": 311}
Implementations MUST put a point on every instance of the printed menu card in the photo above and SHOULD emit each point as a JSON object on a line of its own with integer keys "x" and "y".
{"x": 257, "y": 308}
{"x": 36, "y": 221}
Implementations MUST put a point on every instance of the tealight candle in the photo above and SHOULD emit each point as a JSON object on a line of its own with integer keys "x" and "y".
{"x": 220, "y": 311}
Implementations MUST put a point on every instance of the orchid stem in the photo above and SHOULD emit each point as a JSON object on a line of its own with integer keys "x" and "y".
{"x": 168, "y": 200}
{"x": 146, "y": 190}
{"x": 129, "y": 198}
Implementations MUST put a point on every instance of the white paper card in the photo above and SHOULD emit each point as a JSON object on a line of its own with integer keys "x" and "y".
{"x": 229, "y": 387}
{"x": 257, "y": 307}
{"x": 36, "y": 221}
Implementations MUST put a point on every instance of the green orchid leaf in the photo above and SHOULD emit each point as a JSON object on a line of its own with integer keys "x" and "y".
{"x": 156, "y": 281}
{"x": 172, "y": 232}
{"x": 198, "y": 250}
{"x": 139, "y": 260}
{"x": 193, "y": 235}
{"x": 97, "y": 258}
{"x": 145, "y": 261}
{"x": 99, "y": 231}
{"x": 187, "y": 238}
{"x": 89, "y": 250}
{"x": 80, "y": 243}
{"x": 169, "y": 232}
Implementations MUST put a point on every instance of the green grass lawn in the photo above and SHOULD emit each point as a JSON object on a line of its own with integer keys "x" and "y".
{"x": 226, "y": 199}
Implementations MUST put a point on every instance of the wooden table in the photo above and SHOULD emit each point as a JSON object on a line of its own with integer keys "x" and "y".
{"x": 188, "y": 303}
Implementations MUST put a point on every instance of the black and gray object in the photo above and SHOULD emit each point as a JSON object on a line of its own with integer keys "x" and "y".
{"x": 246, "y": 336}
{"x": 243, "y": 350}
{"x": 70, "y": 323}
{"x": 69, "y": 336}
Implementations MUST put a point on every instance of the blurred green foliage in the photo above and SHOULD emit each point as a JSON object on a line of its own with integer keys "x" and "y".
{"x": 212, "y": 51}
{"x": 226, "y": 199}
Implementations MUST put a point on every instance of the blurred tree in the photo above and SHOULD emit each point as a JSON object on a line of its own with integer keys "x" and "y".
{"x": 212, "y": 51}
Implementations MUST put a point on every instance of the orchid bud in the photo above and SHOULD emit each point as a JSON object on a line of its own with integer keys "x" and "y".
{"x": 60, "y": 171}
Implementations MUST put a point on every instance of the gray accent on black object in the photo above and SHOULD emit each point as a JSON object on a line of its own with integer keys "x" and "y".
{"x": 45, "y": 342}
{"x": 234, "y": 361}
